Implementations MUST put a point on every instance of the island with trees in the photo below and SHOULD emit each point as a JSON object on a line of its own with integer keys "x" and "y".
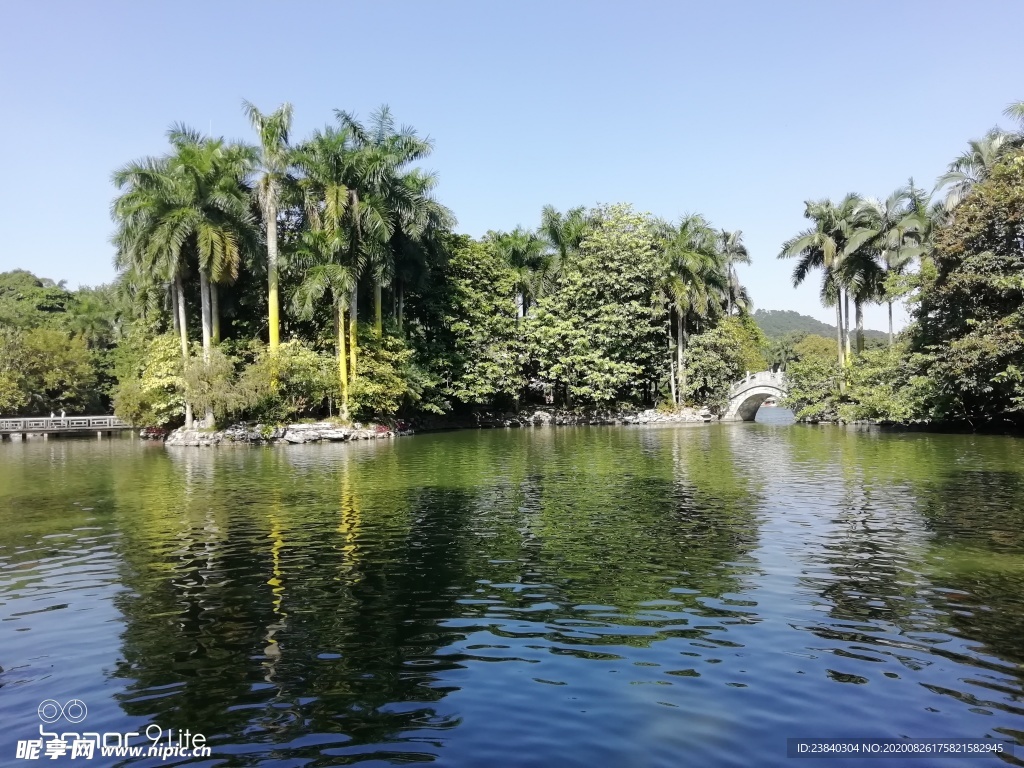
{"x": 321, "y": 278}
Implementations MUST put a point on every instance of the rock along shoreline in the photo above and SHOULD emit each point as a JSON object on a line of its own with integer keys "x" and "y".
{"x": 330, "y": 432}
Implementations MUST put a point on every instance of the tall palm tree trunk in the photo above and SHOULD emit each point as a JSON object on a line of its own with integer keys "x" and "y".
{"x": 204, "y": 295}
{"x": 671, "y": 367}
{"x": 342, "y": 366}
{"x": 839, "y": 343}
{"x": 378, "y": 302}
{"x": 890, "y": 322}
{"x": 179, "y": 291}
{"x": 353, "y": 307}
{"x": 520, "y": 302}
{"x": 846, "y": 325}
{"x": 273, "y": 318}
{"x": 839, "y": 332}
{"x": 174, "y": 309}
{"x": 859, "y": 307}
{"x": 681, "y": 340}
{"x": 215, "y": 312}
{"x": 401, "y": 305}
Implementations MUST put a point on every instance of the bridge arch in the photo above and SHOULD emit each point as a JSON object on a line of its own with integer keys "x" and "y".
{"x": 746, "y": 396}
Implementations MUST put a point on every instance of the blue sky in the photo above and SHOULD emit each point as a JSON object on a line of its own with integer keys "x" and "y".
{"x": 737, "y": 110}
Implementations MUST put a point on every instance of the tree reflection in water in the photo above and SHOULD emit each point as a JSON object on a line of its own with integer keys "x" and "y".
{"x": 274, "y": 594}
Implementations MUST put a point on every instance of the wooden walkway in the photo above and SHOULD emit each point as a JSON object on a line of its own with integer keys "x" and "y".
{"x": 68, "y": 425}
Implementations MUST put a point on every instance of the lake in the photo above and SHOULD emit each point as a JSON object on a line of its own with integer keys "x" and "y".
{"x": 592, "y": 596}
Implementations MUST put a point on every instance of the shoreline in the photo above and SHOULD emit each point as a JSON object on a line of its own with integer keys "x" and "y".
{"x": 332, "y": 432}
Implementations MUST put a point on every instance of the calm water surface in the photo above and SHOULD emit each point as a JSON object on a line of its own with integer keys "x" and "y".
{"x": 575, "y": 597}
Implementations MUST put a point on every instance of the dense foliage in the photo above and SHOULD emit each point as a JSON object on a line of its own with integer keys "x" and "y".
{"x": 970, "y": 311}
{"x": 55, "y": 346}
{"x": 322, "y": 278}
{"x": 598, "y": 337}
{"x": 959, "y": 266}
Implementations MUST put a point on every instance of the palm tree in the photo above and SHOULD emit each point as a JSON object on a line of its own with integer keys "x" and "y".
{"x": 694, "y": 278}
{"x": 973, "y": 166}
{"x": 743, "y": 301}
{"x": 91, "y": 316}
{"x": 145, "y": 256}
{"x": 321, "y": 254}
{"x": 890, "y": 222}
{"x": 733, "y": 252}
{"x": 824, "y": 246}
{"x": 861, "y": 275}
{"x": 142, "y": 295}
{"x": 782, "y": 352}
{"x": 148, "y": 252}
{"x": 212, "y": 216}
{"x": 416, "y": 242}
{"x": 526, "y": 254}
{"x": 384, "y": 153}
{"x": 338, "y": 190}
{"x": 271, "y": 176}
{"x": 1015, "y": 111}
{"x": 190, "y": 206}
{"x": 564, "y": 232}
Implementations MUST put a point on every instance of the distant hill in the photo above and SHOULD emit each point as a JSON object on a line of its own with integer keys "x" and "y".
{"x": 780, "y": 322}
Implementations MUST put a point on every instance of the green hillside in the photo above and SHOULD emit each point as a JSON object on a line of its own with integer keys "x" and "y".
{"x": 780, "y": 322}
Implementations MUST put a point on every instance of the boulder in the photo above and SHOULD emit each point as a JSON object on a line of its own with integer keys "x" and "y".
{"x": 334, "y": 435}
{"x": 300, "y": 435}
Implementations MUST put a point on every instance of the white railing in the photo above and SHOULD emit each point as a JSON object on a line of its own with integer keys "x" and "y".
{"x": 773, "y": 378}
{"x": 65, "y": 424}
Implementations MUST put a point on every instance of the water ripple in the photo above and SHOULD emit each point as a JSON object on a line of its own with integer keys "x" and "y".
{"x": 578, "y": 596}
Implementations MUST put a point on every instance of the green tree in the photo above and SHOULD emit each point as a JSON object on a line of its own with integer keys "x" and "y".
{"x": 814, "y": 383}
{"x": 150, "y": 389}
{"x": 472, "y": 342}
{"x": 721, "y": 356}
{"x": 91, "y": 314}
{"x": 283, "y": 384}
{"x": 888, "y": 385}
{"x": 418, "y": 242}
{"x": 782, "y": 350}
{"x": 45, "y": 369}
{"x": 27, "y": 301}
{"x": 385, "y": 382}
{"x": 813, "y": 346}
{"x": 970, "y": 317}
{"x": 596, "y": 337}
{"x": 862, "y": 277}
{"x": 211, "y": 216}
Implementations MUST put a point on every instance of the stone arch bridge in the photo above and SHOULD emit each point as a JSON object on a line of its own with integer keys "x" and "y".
{"x": 746, "y": 396}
